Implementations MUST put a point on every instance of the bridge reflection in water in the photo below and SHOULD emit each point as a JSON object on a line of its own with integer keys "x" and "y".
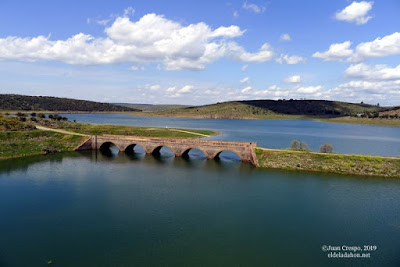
{"x": 180, "y": 147}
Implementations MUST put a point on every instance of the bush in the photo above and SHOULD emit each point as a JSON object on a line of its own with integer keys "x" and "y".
{"x": 295, "y": 144}
{"x": 326, "y": 148}
{"x": 42, "y": 116}
{"x": 33, "y": 114}
{"x": 304, "y": 147}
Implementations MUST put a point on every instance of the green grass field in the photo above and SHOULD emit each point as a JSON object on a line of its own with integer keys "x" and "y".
{"x": 331, "y": 163}
{"x": 24, "y": 143}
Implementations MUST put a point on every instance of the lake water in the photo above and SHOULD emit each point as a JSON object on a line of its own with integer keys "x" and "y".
{"x": 89, "y": 209}
{"x": 115, "y": 209}
{"x": 345, "y": 138}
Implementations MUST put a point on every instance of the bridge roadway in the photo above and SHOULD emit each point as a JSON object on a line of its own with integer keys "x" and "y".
{"x": 179, "y": 146}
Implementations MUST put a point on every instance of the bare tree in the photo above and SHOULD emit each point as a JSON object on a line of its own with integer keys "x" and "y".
{"x": 304, "y": 146}
{"x": 295, "y": 145}
{"x": 326, "y": 148}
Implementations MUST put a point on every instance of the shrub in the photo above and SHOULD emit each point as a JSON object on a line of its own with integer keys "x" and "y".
{"x": 295, "y": 144}
{"x": 304, "y": 147}
{"x": 326, "y": 148}
{"x": 42, "y": 116}
{"x": 33, "y": 114}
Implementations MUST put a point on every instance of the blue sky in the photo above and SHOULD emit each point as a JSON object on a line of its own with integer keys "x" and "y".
{"x": 203, "y": 52}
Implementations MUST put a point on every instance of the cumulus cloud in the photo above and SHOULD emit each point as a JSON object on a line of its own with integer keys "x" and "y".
{"x": 155, "y": 87}
{"x": 336, "y": 52}
{"x": 368, "y": 90}
{"x": 247, "y": 89}
{"x": 285, "y": 37}
{"x": 151, "y": 39}
{"x": 293, "y": 79}
{"x": 186, "y": 89}
{"x": 254, "y": 8}
{"x": 286, "y": 59}
{"x": 377, "y": 72}
{"x": 356, "y": 12}
{"x": 380, "y": 47}
{"x": 309, "y": 89}
{"x": 245, "y": 80}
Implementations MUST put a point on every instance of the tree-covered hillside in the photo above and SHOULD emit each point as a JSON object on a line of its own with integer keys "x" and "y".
{"x": 37, "y": 103}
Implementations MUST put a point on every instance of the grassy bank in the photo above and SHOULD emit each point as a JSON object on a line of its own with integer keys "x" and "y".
{"x": 24, "y": 143}
{"x": 100, "y": 129}
{"x": 331, "y": 163}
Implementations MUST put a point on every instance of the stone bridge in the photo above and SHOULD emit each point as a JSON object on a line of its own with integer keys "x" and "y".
{"x": 179, "y": 146}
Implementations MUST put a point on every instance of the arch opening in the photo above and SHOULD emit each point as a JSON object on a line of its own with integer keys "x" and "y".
{"x": 227, "y": 155}
{"x": 194, "y": 153}
{"x": 134, "y": 149}
{"x": 109, "y": 149}
{"x": 163, "y": 151}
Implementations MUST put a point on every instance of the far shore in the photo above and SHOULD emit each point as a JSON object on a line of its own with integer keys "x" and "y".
{"x": 347, "y": 119}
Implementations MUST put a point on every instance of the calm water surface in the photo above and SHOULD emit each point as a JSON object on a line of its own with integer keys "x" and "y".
{"x": 345, "y": 138}
{"x": 89, "y": 209}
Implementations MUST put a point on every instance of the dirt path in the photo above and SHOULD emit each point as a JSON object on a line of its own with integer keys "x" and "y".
{"x": 182, "y": 131}
{"x": 58, "y": 131}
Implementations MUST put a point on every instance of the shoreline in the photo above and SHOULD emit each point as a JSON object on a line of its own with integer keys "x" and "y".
{"x": 345, "y": 120}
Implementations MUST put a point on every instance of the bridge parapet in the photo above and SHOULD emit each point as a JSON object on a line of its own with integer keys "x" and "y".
{"x": 180, "y": 146}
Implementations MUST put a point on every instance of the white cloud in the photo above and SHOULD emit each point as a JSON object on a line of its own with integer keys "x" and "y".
{"x": 358, "y": 89}
{"x": 335, "y": 52}
{"x": 293, "y": 79}
{"x": 244, "y": 68}
{"x": 286, "y": 59}
{"x": 254, "y": 8}
{"x": 151, "y": 39}
{"x": 377, "y": 72}
{"x": 155, "y": 87}
{"x": 135, "y": 68}
{"x": 171, "y": 89}
{"x": 380, "y": 47}
{"x": 285, "y": 37}
{"x": 309, "y": 89}
{"x": 129, "y": 11}
{"x": 235, "y": 14}
{"x": 245, "y": 80}
{"x": 356, "y": 12}
{"x": 237, "y": 52}
{"x": 186, "y": 89}
{"x": 247, "y": 89}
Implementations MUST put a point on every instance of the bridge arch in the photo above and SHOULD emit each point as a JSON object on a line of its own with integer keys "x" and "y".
{"x": 186, "y": 151}
{"x": 133, "y": 148}
{"x": 157, "y": 150}
{"x": 218, "y": 153}
{"x": 106, "y": 148}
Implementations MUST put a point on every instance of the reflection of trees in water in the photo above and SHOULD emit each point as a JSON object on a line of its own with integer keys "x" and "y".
{"x": 22, "y": 163}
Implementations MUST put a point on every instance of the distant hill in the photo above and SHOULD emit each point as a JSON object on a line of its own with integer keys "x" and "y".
{"x": 151, "y": 108}
{"x": 37, "y": 103}
{"x": 271, "y": 108}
